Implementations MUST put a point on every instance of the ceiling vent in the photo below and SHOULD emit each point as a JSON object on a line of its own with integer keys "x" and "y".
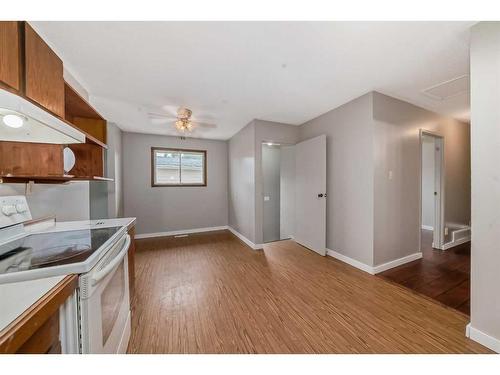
{"x": 448, "y": 89}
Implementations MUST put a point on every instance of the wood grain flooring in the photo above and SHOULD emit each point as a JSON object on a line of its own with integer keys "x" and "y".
{"x": 441, "y": 275}
{"x": 210, "y": 293}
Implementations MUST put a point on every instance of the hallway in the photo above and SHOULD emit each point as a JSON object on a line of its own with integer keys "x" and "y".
{"x": 443, "y": 275}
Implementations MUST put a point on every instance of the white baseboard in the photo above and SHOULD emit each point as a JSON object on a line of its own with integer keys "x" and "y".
{"x": 460, "y": 241}
{"x": 201, "y": 230}
{"x": 370, "y": 269}
{"x": 482, "y": 338}
{"x": 245, "y": 240}
{"x": 427, "y": 227}
{"x": 177, "y": 232}
{"x": 397, "y": 262}
{"x": 350, "y": 261}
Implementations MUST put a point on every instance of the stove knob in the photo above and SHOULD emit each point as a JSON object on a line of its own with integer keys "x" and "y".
{"x": 21, "y": 207}
{"x": 8, "y": 210}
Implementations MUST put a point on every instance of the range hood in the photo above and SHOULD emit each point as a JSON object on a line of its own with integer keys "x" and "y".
{"x": 23, "y": 121}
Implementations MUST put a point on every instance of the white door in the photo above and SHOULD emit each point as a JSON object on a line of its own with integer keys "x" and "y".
{"x": 310, "y": 194}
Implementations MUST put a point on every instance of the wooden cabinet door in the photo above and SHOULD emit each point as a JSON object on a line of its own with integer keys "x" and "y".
{"x": 31, "y": 159}
{"x": 45, "y": 340}
{"x": 10, "y": 54}
{"x": 44, "y": 73}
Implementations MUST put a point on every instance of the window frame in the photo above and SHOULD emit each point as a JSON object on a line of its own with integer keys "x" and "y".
{"x": 180, "y": 150}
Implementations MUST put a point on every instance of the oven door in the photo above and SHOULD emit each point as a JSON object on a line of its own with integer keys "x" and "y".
{"x": 104, "y": 303}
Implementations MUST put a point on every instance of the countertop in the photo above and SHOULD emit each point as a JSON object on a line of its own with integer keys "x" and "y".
{"x": 16, "y": 298}
{"x": 56, "y": 226}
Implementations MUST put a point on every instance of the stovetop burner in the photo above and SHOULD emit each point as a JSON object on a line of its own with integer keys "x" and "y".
{"x": 52, "y": 249}
{"x": 62, "y": 255}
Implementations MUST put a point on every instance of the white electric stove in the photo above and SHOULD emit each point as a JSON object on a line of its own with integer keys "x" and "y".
{"x": 93, "y": 250}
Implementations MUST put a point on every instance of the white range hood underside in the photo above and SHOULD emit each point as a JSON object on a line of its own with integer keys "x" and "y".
{"x": 39, "y": 126}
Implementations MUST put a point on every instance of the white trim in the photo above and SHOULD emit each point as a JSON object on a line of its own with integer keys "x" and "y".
{"x": 427, "y": 227}
{"x": 455, "y": 242}
{"x": 460, "y": 241}
{"x": 177, "y": 232}
{"x": 482, "y": 338}
{"x": 245, "y": 240}
{"x": 201, "y": 230}
{"x": 439, "y": 201}
{"x": 350, "y": 261}
{"x": 370, "y": 269}
{"x": 396, "y": 262}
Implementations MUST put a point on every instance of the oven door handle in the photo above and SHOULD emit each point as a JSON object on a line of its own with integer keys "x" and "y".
{"x": 109, "y": 267}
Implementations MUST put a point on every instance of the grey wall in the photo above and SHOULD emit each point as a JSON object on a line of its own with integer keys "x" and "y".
{"x": 164, "y": 209}
{"x": 485, "y": 96}
{"x": 271, "y": 162}
{"x": 106, "y": 197}
{"x": 241, "y": 181}
{"x": 114, "y": 167}
{"x": 66, "y": 201}
{"x": 98, "y": 191}
{"x": 349, "y": 148}
{"x": 397, "y": 148}
{"x": 274, "y": 132}
{"x": 428, "y": 181}
{"x": 245, "y": 174}
{"x": 287, "y": 191}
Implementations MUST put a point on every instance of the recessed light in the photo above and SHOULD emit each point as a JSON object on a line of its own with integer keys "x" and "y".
{"x": 13, "y": 121}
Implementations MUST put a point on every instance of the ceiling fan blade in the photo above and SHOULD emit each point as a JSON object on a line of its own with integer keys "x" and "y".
{"x": 159, "y": 121}
{"x": 160, "y": 115}
{"x": 204, "y": 125}
{"x": 170, "y": 110}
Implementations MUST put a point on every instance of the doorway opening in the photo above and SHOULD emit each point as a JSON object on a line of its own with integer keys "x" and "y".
{"x": 278, "y": 178}
{"x": 443, "y": 272}
{"x": 294, "y": 193}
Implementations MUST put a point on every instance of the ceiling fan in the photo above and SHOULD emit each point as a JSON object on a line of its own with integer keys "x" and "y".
{"x": 182, "y": 120}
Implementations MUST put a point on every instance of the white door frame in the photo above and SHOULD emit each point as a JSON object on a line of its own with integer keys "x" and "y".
{"x": 439, "y": 188}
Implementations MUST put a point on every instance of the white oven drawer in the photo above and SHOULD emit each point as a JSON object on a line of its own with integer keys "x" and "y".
{"x": 104, "y": 302}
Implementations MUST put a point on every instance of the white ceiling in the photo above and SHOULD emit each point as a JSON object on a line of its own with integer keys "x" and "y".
{"x": 232, "y": 72}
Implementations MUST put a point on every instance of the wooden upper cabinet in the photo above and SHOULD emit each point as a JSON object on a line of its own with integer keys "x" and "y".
{"x": 81, "y": 114}
{"x": 43, "y": 73}
{"x": 31, "y": 159}
{"x": 10, "y": 63}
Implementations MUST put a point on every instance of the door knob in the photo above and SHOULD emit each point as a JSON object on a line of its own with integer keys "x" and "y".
{"x": 320, "y": 195}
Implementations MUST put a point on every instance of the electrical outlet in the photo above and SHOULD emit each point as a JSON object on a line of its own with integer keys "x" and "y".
{"x": 445, "y": 231}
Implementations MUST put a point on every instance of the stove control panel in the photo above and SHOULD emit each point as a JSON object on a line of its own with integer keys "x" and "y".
{"x": 13, "y": 210}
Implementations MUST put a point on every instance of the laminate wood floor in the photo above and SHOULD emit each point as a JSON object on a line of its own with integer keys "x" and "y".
{"x": 441, "y": 275}
{"x": 210, "y": 293}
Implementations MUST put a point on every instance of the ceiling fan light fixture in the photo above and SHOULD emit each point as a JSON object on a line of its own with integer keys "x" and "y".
{"x": 183, "y": 125}
{"x": 182, "y": 122}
